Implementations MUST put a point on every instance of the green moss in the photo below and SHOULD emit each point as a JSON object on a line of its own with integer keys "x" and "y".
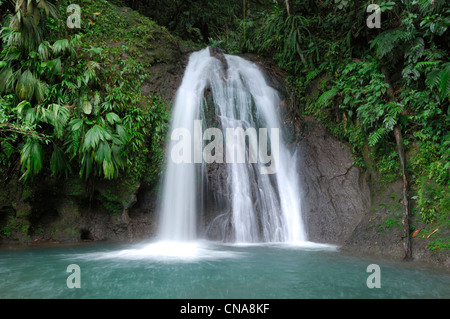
{"x": 72, "y": 232}
{"x": 74, "y": 186}
{"x": 392, "y": 222}
{"x": 440, "y": 244}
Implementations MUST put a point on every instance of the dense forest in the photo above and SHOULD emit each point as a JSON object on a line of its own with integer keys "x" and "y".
{"x": 71, "y": 106}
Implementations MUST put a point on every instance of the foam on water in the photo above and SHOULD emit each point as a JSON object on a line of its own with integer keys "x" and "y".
{"x": 194, "y": 251}
{"x": 167, "y": 251}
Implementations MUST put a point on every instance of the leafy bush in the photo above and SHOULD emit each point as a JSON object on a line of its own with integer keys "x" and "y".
{"x": 65, "y": 107}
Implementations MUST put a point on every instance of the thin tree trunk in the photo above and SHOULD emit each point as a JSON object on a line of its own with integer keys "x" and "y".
{"x": 297, "y": 45}
{"x": 402, "y": 159}
{"x": 288, "y": 7}
{"x": 405, "y": 202}
{"x": 302, "y": 57}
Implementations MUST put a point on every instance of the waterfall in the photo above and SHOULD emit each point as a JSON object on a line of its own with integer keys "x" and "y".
{"x": 228, "y": 92}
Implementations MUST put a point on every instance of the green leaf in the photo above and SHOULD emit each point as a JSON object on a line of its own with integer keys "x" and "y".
{"x": 86, "y": 164}
{"x": 61, "y": 46}
{"x": 22, "y": 107}
{"x": 7, "y": 149}
{"x": 26, "y": 85}
{"x": 6, "y": 80}
{"x": 30, "y": 116}
{"x": 445, "y": 83}
{"x": 93, "y": 137}
{"x": 87, "y": 107}
{"x": 103, "y": 152}
{"x": 112, "y": 118}
{"x": 31, "y": 158}
{"x": 59, "y": 162}
{"x": 76, "y": 124}
{"x": 376, "y": 136}
{"x": 326, "y": 96}
{"x": 421, "y": 65}
{"x": 40, "y": 91}
{"x": 57, "y": 116}
{"x": 121, "y": 131}
{"x": 108, "y": 169}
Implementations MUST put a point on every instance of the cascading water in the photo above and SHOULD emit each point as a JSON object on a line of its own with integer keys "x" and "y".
{"x": 230, "y": 92}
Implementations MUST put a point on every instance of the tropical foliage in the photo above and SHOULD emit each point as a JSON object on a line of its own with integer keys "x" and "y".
{"x": 69, "y": 104}
{"x": 65, "y": 108}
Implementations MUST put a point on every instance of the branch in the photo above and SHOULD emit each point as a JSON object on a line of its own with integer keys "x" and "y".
{"x": 8, "y": 127}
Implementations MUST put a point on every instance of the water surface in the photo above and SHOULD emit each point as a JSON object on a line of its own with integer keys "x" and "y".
{"x": 209, "y": 270}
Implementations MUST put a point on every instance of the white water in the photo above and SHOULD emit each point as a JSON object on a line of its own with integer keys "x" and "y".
{"x": 264, "y": 208}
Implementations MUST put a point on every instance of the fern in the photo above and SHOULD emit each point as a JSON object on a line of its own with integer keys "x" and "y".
{"x": 440, "y": 79}
{"x": 444, "y": 82}
{"x": 387, "y": 41}
{"x": 389, "y": 123}
{"x": 376, "y": 136}
{"x": 425, "y": 64}
{"x": 312, "y": 75}
{"x": 326, "y": 96}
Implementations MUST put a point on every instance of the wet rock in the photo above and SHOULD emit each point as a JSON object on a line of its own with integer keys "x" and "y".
{"x": 335, "y": 193}
{"x": 219, "y": 55}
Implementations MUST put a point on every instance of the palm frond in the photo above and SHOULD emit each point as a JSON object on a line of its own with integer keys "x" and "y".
{"x": 31, "y": 158}
{"x": 59, "y": 162}
{"x": 26, "y": 85}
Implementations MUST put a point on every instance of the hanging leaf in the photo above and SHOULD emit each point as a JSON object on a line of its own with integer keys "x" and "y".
{"x": 93, "y": 137}
{"x": 108, "y": 169}
{"x": 376, "y": 136}
{"x": 43, "y": 50}
{"x": 6, "y": 80}
{"x": 31, "y": 158}
{"x": 36, "y": 17}
{"x": 112, "y": 118}
{"x": 86, "y": 164}
{"x": 22, "y": 107}
{"x": 62, "y": 45}
{"x": 76, "y": 124}
{"x": 40, "y": 91}
{"x": 103, "y": 152}
{"x": 87, "y": 107}
{"x": 59, "y": 162}
{"x": 25, "y": 86}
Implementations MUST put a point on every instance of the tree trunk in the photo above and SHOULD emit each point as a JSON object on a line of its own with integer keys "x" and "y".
{"x": 402, "y": 159}
{"x": 288, "y": 7}
{"x": 405, "y": 202}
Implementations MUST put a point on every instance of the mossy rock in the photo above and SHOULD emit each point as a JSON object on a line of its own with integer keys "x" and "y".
{"x": 118, "y": 194}
{"x": 74, "y": 186}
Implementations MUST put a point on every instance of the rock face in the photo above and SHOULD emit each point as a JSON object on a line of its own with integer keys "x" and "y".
{"x": 335, "y": 194}
{"x": 56, "y": 211}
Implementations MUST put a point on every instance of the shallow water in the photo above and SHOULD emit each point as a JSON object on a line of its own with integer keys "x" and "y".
{"x": 209, "y": 270}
